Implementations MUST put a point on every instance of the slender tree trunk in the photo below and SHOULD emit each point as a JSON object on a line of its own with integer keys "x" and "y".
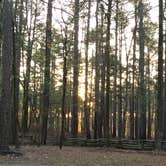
{"x": 101, "y": 75}
{"x": 115, "y": 71}
{"x": 74, "y": 127}
{"x": 65, "y": 54}
{"x": 91, "y": 109}
{"x": 27, "y": 75}
{"x": 159, "y": 112}
{"x": 141, "y": 69}
{"x": 86, "y": 109}
{"x": 149, "y": 97}
{"x": 34, "y": 99}
{"x": 46, "y": 90}
{"x": 126, "y": 89}
{"x": 96, "y": 74}
{"x": 107, "y": 52}
{"x": 137, "y": 108}
{"x": 133, "y": 79}
{"x": 120, "y": 86}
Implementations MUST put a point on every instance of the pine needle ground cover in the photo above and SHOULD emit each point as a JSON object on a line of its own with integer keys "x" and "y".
{"x": 76, "y": 156}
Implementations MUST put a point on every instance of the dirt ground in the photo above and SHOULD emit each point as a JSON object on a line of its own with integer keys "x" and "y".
{"x": 83, "y": 156}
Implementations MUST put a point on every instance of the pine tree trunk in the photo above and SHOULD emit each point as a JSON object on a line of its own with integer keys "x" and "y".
{"x": 1, "y": 33}
{"x": 120, "y": 86}
{"x": 115, "y": 71}
{"x": 63, "y": 112}
{"x": 101, "y": 75}
{"x": 16, "y": 72}
{"x": 97, "y": 104}
{"x": 86, "y": 109}
{"x": 7, "y": 55}
{"x": 159, "y": 112}
{"x": 142, "y": 90}
{"x": 164, "y": 96}
{"x": 107, "y": 52}
{"x": 133, "y": 79}
{"x": 74, "y": 126}
{"x": 126, "y": 91}
{"x": 46, "y": 90}
{"x": 27, "y": 75}
{"x": 149, "y": 97}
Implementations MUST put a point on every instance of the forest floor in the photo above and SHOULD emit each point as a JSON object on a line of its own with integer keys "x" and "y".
{"x": 82, "y": 156}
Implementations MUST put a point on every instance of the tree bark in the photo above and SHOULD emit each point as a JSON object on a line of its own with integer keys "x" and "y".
{"x": 97, "y": 74}
{"x": 115, "y": 71}
{"x": 63, "y": 112}
{"x": 142, "y": 89}
{"x": 120, "y": 86}
{"x": 74, "y": 127}
{"x": 86, "y": 109}
{"x": 16, "y": 72}
{"x": 159, "y": 112}
{"x": 46, "y": 90}
{"x": 149, "y": 97}
{"x": 27, "y": 74}
{"x": 107, "y": 52}
{"x": 133, "y": 79}
{"x": 7, "y": 55}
